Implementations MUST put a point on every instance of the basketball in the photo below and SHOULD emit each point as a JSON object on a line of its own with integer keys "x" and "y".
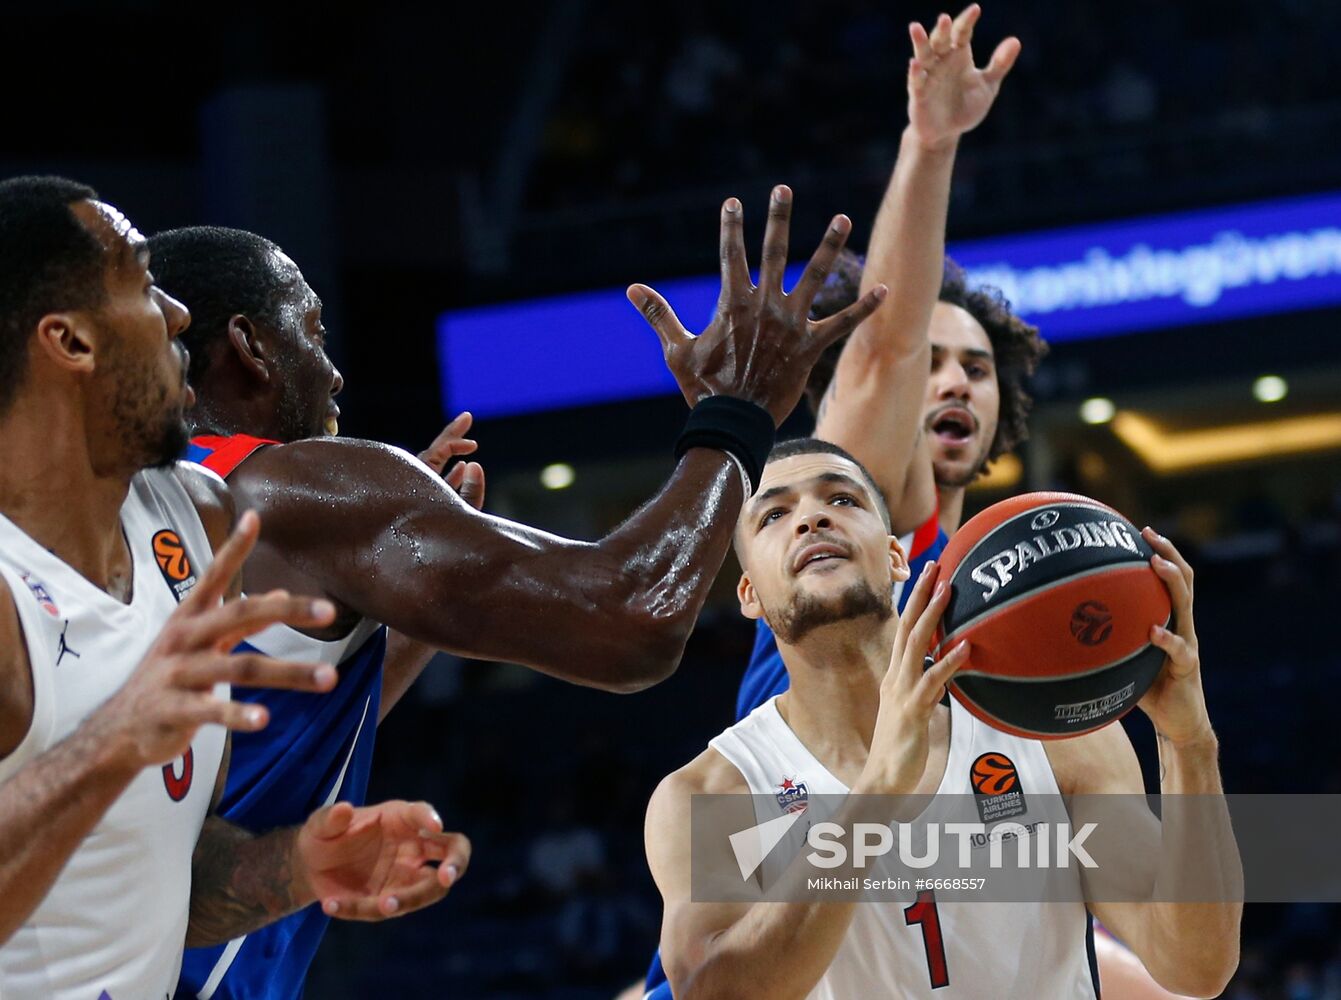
{"x": 1056, "y": 595}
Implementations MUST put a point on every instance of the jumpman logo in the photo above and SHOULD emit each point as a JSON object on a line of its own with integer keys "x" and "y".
{"x": 62, "y": 647}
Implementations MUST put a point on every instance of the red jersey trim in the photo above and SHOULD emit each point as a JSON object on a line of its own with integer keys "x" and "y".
{"x": 925, "y": 536}
{"x": 227, "y": 453}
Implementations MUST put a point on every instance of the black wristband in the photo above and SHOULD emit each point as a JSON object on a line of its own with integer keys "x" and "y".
{"x": 735, "y": 426}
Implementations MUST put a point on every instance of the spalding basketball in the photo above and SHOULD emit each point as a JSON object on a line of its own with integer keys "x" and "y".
{"x": 1056, "y": 594}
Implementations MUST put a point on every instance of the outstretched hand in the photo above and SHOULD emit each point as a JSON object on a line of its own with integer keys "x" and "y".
{"x": 377, "y": 862}
{"x": 467, "y": 478}
{"x": 947, "y": 94}
{"x": 761, "y": 343}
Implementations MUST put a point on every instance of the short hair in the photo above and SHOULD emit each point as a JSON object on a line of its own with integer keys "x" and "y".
{"x": 49, "y": 261}
{"x": 1016, "y": 345}
{"x": 816, "y": 446}
{"x": 218, "y": 273}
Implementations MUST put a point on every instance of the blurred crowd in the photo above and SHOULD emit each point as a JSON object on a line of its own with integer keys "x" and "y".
{"x": 668, "y": 98}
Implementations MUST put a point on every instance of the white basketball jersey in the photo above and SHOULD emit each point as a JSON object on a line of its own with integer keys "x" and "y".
{"x": 923, "y": 947}
{"x": 114, "y": 923}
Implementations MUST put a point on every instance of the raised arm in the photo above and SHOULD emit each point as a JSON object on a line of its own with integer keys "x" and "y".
{"x": 375, "y": 530}
{"x": 1190, "y": 948}
{"x": 874, "y": 404}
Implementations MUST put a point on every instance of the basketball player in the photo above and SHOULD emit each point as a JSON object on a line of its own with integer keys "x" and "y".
{"x": 819, "y": 562}
{"x": 966, "y": 366}
{"x": 924, "y": 437}
{"x": 386, "y": 541}
{"x": 114, "y": 664}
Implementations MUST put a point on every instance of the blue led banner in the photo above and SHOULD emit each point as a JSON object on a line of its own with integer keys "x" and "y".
{"x": 1085, "y": 281}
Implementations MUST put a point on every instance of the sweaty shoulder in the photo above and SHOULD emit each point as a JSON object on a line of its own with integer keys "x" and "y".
{"x": 212, "y": 499}
{"x": 323, "y": 470}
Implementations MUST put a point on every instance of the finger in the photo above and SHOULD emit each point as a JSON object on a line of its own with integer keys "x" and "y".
{"x": 931, "y": 686}
{"x": 821, "y": 261}
{"x": 940, "y": 35}
{"x": 1180, "y": 593}
{"x": 330, "y": 822}
{"x": 1169, "y": 551}
{"x": 455, "y": 858}
{"x": 443, "y": 450}
{"x": 224, "y": 627}
{"x": 924, "y": 628}
{"x": 921, "y": 44}
{"x": 254, "y": 670}
{"x": 1003, "y": 58}
{"x": 659, "y": 316}
{"x": 420, "y": 817}
{"x": 214, "y": 583}
{"x": 912, "y": 612}
{"x": 424, "y": 890}
{"x": 731, "y": 249}
{"x": 1174, "y": 645}
{"x": 920, "y": 597}
{"x": 776, "y": 235}
{"x": 839, "y": 325}
{"x": 456, "y": 476}
{"x": 961, "y": 30}
{"x": 238, "y": 716}
{"x": 472, "y": 485}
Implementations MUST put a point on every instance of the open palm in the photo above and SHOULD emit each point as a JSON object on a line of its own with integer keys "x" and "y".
{"x": 947, "y": 94}
{"x": 378, "y": 861}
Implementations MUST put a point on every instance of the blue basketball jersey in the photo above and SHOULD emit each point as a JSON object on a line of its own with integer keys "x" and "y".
{"x": 316, "y": 750}
{"x": 766, "y": 676}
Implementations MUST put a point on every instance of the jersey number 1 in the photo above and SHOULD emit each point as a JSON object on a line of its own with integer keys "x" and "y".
{"x": 924, "y": 912}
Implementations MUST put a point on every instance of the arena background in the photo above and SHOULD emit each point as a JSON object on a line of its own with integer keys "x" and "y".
{"x": 420, "y": 161}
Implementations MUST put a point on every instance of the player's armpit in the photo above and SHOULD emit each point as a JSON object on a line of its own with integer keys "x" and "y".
{"x": 374, "y": 529}
{"x": 16, "y": 677}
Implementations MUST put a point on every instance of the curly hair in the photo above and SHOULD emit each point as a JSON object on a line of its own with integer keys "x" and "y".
{"x": 1016, "y": 345}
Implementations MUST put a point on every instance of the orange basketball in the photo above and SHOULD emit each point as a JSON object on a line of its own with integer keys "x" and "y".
{"x": 1056, "y": 594}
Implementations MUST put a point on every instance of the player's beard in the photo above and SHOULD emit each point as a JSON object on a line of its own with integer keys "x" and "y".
{"x": 808, "y": 612}
{"x": 953, "y": 477}
{"x": 153, "y": 428}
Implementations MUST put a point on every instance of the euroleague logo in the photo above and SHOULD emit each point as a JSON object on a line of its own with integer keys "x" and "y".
{"x": 1044, "y": 520}
{"x": 173, "y": 562}
{"x": 1091, "y": 623}
{"x": 994, "y": 774}
{"x": 996, "y": 787}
